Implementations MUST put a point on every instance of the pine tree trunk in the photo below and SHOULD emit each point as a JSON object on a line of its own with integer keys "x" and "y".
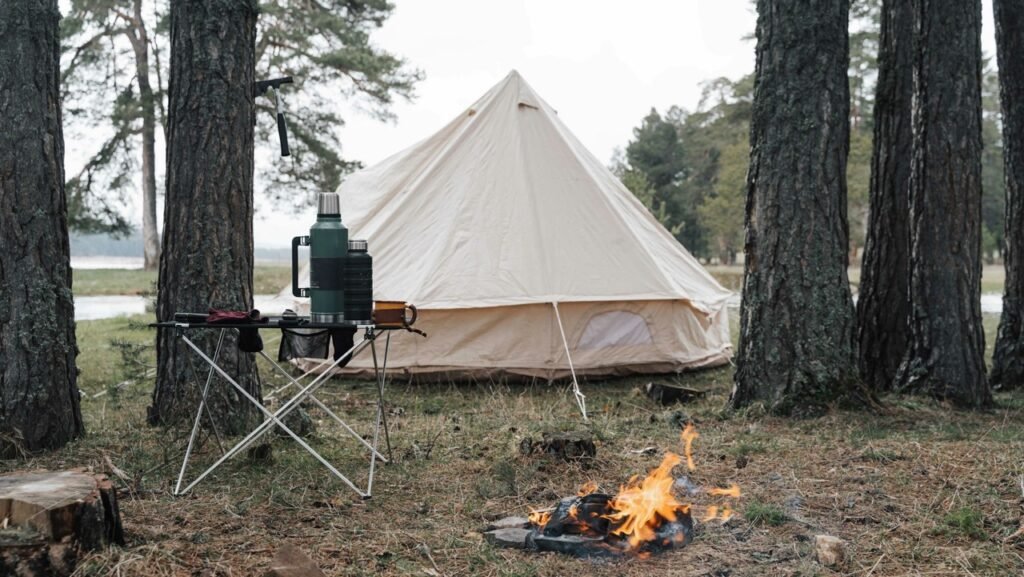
{"x": 208, "y": 247}
{"x": 1008, "y": 361}
{"x": 39, "y": 399}
{"x": 797, "y": 352}
{"x": 945, "y": 358}
{"x": 139, "y": 38}
{"x": 883, "y": 306}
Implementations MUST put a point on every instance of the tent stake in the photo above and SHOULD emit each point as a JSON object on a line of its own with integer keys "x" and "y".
{"x": 581, "y": 399}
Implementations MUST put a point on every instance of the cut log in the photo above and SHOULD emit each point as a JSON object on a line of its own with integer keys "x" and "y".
{"x": 671, "y": 394}
{"x": 47, "y": 516}
{"x": 568, "y": 446}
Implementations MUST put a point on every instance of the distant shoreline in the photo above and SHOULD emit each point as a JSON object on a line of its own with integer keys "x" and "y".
{"x": 135, "y": 263}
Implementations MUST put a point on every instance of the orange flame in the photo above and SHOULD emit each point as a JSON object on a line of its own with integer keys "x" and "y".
{"x": 588, "y": 488}
{"x": 713, "y": 512}
{"x": 539, "y": 518}
{"x": 732, "y": 491}
{"x": 689, "y": 434}
{"x": 641, "y": 506}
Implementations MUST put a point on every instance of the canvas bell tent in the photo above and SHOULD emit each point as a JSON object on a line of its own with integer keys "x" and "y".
{"x": 524, "y": 253}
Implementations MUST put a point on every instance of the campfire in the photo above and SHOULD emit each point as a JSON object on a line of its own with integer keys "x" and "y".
{"x": 645, "y": 516}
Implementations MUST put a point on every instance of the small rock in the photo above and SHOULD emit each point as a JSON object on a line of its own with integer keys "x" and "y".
{"x": 511, "y": 538}
{"x": 830, "y": 551}
{"x": 291, "y": 562}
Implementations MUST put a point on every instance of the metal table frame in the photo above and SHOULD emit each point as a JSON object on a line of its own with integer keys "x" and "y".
{"x": 304, "y": 393}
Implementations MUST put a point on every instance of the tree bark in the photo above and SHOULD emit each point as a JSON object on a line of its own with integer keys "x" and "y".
{"x": 208, "y": 246}
{"x": 1008, "y": 360}
{"x": 883, "y": 306}
{"x": 139, "y": 39}
{"x": 39, "y": 399}
{"x": 797, "y": 351}
{"x": 945, "y": 358}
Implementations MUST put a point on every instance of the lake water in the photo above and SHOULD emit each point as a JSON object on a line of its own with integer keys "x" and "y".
{"x": 106, "y": 307}
{"x": 94, "y": 262}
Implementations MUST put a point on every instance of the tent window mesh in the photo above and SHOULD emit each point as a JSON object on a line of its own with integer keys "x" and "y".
{"x": 615, "y": 329}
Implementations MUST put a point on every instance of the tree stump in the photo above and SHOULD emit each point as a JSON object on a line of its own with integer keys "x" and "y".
{"x": 671, "y": 394}
{"x": 575, "y": 446}
{"x": 46, "y": 518}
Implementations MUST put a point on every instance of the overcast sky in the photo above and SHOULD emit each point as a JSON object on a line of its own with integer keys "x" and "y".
{"x": 601, "y": 64}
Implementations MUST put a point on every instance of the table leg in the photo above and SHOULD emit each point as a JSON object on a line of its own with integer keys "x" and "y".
{"x": 199, "y": 415}
{"x": 274, "y": 418}
{"x": 324, "y": 408}
{"x": 380, "y": 374}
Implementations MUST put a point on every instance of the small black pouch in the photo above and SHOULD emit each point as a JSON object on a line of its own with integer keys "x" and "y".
{"x": 343, "y": 339}
{"x": 249, "y": 340}
{"x": 303, "y": 344}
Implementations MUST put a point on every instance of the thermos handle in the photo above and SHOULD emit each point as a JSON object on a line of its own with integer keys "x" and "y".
{"x": 409, "y": 322}
{"x": 296, "y": 243}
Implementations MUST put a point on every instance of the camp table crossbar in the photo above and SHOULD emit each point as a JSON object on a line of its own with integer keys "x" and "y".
{"x": 370, "y": 334}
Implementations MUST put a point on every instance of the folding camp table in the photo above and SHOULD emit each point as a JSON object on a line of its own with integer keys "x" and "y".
{"x": 370, "y": 334}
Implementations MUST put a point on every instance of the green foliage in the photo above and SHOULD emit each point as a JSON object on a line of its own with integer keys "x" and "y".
{"x": 858, "y": 185}
{"x": 656, "y": 169}
{"x": 966, "y": 521}
{"x": 636, "y": 181}
{"x": 693, "y": 177}
{"x": 706, "y": 166}
{"x": 993, "y": 185}
{"x": 759, "y": 513}
{"x": 723, "y": 209}
{"x": 326, "y": 46}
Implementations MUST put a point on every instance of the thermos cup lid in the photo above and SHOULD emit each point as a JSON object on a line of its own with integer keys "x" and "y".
{"x": 328, "y": 204}
{"x": 357, "y": 245}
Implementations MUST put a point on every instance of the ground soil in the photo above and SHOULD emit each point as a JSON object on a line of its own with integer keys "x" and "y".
{"x": 920, "y": 489}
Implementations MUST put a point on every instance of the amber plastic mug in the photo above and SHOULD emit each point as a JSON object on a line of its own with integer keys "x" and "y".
{"x": 393, "y": 314}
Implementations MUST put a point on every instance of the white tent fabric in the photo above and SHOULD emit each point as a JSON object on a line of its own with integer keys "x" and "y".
{"x": 503, "y": 210}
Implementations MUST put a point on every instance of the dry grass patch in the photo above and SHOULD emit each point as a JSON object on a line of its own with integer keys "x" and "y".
{"x": 920, "y": 490}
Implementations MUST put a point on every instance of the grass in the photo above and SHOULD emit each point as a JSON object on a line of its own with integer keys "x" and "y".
{"x": 965, "y": 521}
{"x": 758, "y": 513}
{"x": 270, "y": 279}
{"x": 267, "y": 279}
{"x": 918, "y": 490}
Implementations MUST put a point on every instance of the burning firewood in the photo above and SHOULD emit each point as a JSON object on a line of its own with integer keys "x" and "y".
{"x": 643, "y": 517}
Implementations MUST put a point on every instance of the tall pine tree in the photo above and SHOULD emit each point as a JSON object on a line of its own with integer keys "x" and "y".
{"x": 1008, "y": 360}
{"x": 797, "y": 351}
{"x": 39, "y": 400}
{"x": 945, "y": 358}
{"x": 208, "y": 242}
{"x": 883, "y": 304}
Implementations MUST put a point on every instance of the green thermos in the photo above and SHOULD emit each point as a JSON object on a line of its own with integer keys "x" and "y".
{"x": 328, "y": 250}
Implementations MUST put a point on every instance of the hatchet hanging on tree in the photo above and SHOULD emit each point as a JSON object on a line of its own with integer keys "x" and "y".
{"x": 274, "y": 84}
